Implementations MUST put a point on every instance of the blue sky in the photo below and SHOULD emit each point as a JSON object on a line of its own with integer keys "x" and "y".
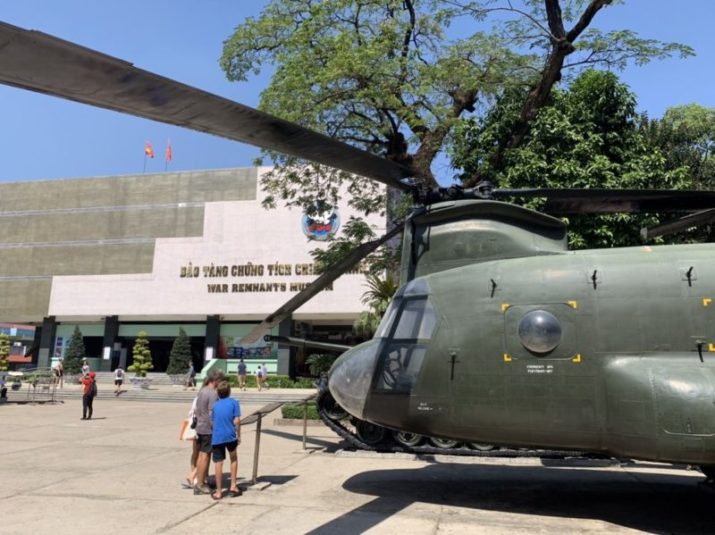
{"x": 43, "y": 137}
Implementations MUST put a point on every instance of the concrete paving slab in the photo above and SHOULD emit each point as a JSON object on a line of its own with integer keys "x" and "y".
{"x": 122, "y": 473}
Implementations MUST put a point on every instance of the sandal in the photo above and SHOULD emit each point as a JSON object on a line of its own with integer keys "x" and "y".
{"x": 235, "y": 493}
{"x": 214, "y": 497}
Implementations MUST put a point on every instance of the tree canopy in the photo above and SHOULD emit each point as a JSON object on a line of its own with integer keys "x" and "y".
{"x": 588, "y": 136}
{"x": 394, "y": 77}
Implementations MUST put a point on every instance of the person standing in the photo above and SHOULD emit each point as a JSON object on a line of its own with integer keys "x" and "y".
{"x": 259, "y": 378}
{"x": 204, "y": 403}
{"x": 190, "y": 377}
{"x": 242, "y": 374}
{"x": 89, "y": 391}
{"x": 85, "y": 368}
{"x": 264, "y": 376}
{"x": 226, "y": 424}
{"x": 118, "y": 380}
{"x": 61, "y": 372}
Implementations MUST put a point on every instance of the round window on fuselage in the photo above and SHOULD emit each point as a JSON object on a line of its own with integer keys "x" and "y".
{"x": 540, "y": 331}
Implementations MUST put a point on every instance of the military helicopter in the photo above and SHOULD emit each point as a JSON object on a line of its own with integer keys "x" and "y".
{"x": 499, "y": 335}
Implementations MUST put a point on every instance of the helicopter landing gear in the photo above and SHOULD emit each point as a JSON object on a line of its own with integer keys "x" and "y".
{"x": 443, "y": 443}
{"x": 481, "y": 447}
{"x": 370, "y": 434}
{"x": 409, "y": 440}
{"x": 332, "y": 410}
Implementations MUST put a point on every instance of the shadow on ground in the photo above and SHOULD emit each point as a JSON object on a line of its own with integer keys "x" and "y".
{"x": 652, "y": 502}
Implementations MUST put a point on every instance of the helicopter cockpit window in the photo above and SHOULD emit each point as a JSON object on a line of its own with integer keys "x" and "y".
{"x": 388, "y": 318}
{"x": 401, "y": 367}
{"x": 417, "y": 320}
{"x": 540, "y": 331}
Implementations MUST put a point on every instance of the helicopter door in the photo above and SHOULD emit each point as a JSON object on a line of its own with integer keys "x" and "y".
{"x": 550, "y": 381}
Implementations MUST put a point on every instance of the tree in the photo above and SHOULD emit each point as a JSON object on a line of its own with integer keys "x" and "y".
{"x": 585, "y": 136}
{"x": 75, "y": 353}
{"x": 686, "y": 137}
{"x": 142, "y": 356}
{"x": 180, "y": 355}
{"x": 320, "y": 363}
{"x": 378, "y": 297}
{"x": 394, "y": 77}
{"x": 4, "y": 352}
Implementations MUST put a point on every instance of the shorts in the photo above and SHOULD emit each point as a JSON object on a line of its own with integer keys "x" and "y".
{"x": 219, "y": 450}
{"x": 118, "y": 382}
{"x": 204, "y": 443}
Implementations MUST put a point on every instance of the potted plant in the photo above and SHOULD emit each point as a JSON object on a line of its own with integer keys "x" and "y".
{"x": 142, "y": 361}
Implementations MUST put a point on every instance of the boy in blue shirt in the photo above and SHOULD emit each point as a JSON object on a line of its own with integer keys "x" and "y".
{"x": 226, "y": 435}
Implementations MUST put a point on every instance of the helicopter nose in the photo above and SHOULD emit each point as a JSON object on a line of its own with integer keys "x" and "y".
{"x": 351, "y": 375}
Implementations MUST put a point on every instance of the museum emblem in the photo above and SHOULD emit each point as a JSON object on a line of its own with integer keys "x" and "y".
{"x": 321, "y": 224}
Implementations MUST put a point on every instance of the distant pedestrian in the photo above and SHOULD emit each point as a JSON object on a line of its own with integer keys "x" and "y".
{"x": 264, "y": 374}
{"x": 60, "y": 367}
{"x": 89, "y": 392}
{"x": 226, "y": 420}
{"x": 118, "y": 380}
{"x": 204, "y": 403}
{"x": 242, "y": 374}
{"x": 259, "y": 378}
{"x": 85, "y": 368}
{"x": 191, "y": 377}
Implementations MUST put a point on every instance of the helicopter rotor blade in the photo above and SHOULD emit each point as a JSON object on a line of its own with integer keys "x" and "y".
{"x": 355, "y": 256}
{"x": 567, "y": 201}
{"x": 684, "y": 223}
{"x": 39, "y": 62}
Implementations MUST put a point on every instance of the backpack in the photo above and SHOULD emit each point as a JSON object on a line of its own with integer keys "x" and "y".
{"x": 93, "y": 389}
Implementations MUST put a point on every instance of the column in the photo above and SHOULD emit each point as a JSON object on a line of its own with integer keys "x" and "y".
{"x": 47, "y": 342}
{"x": 111, "y": 331}
{"x": 286, "y": 354}
{"x": 213, "y": 330}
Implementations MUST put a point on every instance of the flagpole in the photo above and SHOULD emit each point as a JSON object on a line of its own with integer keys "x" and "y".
{"x": 144, "y": 169}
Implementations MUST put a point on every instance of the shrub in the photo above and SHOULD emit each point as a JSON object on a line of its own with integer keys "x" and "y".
{"x": 4, "y": 351}
{"x": 180, "y": 356}
{"x": 142, "y": 356}
{"x": 295, "y": 411}
{"x": 76, "y": 353}
{"x": 318, "y": 364}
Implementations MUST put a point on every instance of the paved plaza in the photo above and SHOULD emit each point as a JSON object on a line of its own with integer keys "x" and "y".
{"x": 121, "y": 473}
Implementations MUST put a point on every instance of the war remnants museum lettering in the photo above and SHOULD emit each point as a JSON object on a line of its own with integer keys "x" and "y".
{"x": 277, "y": 269}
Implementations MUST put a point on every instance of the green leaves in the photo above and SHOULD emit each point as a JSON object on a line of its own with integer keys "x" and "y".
{"x": 75, "y": 353}
{"x": 180, "y": 355}
{"x": 141, "y": 355}
{"x": 4, "y": 351}
{"x": 587, "y": 137}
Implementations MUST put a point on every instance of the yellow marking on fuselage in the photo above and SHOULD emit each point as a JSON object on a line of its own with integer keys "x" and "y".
{"x": 711, "y": 347}
{"x": 573, "y": 304}
{"x": 576, "y": 358}
{"x": 707, "y": 301}
{"x": 507, "y": 357}
{"x": 504, "y": 306}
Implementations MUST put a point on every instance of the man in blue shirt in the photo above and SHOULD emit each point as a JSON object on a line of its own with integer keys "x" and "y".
{"x": 226, "y": 419}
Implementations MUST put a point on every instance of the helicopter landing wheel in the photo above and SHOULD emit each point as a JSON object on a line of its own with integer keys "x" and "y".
{"x": 409, "y": 440}
{"x": 709, "y": 472}
{"x": 443, "y": 443}
{"x": 331, "y": 408}
{"x": 481, "y": 447}
{"x": 370, "y": 434}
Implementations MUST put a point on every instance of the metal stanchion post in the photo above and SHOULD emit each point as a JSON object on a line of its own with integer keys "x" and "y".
{"x": 305, "y": 421}
{"x": 255, "y": 451}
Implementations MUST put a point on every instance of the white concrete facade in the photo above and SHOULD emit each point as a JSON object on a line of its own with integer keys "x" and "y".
{"x": 248, "y": 262}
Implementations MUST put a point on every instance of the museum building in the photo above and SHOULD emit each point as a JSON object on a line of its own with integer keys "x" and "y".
{"x": 155, "y": 252}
